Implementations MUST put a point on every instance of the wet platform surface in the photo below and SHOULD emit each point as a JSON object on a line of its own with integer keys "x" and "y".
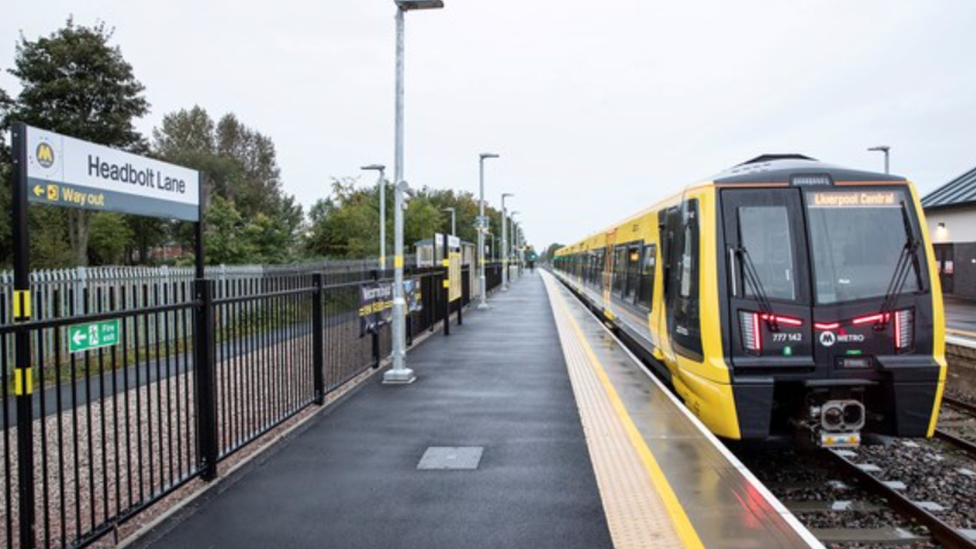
{"x": 498, "y": 383}
{"x": 721, "y": 500}
{"x": 960, "y": 320}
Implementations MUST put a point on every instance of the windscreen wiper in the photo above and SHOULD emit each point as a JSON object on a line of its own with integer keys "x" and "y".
{"x": 907, "y": 262}
{"x": 750, "y": 277}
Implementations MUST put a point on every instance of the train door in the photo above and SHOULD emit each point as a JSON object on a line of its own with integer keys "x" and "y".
{"x": 608, "y": 269}
{"x": 770, "y": 317}
{"x": 682, "y": 288}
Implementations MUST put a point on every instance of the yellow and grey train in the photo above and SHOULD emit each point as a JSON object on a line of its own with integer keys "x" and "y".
{"x": 783, "y": 296}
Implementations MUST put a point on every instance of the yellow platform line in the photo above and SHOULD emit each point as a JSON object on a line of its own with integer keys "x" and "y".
{"x": 641, "y": 507}
{"x": 961, "y": 332}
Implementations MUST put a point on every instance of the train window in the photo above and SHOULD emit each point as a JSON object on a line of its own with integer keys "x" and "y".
{"x": 684, "y": 308}
{"x": 619, "y": 266}
{"x": 856, "y": 239}
{"x": 687, "y": 261}
{"x": 633, "y": 271}
{"x": 648, "y": 267}
{"x": 765, "y": 234}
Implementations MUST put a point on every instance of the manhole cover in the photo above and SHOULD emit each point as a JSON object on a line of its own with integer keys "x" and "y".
{"x": 464, "y": 458}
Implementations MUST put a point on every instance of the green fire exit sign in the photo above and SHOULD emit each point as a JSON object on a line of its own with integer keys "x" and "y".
{"x": 84, "y": 337}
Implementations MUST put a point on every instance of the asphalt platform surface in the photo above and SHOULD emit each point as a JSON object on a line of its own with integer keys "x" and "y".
{"x": 498, "y": 382}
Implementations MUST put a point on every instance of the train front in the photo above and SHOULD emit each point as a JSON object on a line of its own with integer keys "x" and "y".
{"x": 835, "y": 314}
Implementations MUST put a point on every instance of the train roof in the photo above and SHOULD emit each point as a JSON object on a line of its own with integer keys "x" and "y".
{"x": 783, "y": 168}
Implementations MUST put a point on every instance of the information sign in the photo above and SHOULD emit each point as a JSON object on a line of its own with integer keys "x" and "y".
{"x": 69, "y": 172}
{"x": 85, "y": 337}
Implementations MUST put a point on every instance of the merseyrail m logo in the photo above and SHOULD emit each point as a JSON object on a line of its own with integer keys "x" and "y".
{"x": 44, "y": 154}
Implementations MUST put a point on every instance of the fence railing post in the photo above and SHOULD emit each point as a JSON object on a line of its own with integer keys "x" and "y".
{"x": 203, "y": 369}
{"x": 318, "y": 349}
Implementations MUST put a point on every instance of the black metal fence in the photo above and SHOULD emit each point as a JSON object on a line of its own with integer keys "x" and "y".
{"x": 117, "y": 428}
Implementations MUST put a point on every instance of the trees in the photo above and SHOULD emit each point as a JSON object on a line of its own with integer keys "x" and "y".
{"x": 74, "y": 82}
{"x": 346, "y": 225}
{"x": 249, "y": 219}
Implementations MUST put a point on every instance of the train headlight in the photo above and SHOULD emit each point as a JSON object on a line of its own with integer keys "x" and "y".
{"x": 904, "y": 330}
{"x": 751, "y": 331}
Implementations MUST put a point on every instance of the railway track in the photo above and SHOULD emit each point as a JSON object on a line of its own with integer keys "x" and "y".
{"x": 893, "y": 492}
{"x": 958, "y": 425}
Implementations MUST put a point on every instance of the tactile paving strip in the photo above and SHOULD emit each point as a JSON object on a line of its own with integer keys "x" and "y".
{"x": 636, "y": 514}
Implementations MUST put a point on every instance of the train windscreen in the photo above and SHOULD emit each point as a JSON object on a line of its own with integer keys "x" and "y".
{"x": 856, "y": 238}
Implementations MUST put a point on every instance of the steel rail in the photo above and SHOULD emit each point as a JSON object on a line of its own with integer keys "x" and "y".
{"x": 963, "y": 444}
{"x": 961, "y": 404}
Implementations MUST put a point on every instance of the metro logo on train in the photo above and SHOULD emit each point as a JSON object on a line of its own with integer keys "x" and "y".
{"x": 777, "y": 291}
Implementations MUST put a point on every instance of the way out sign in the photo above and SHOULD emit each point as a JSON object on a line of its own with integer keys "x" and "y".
{"x": 85, "y": 337}
{"x": 69, "y": 172}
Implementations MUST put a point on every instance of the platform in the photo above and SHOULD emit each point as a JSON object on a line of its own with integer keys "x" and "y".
{"x": 960, "y": 320}
{"x": 528, "y": 427}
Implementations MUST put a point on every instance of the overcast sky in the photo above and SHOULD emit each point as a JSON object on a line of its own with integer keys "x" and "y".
{"x": 597, "y": 108}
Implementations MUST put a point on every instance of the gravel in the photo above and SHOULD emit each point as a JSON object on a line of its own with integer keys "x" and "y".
{"x": 931, "y": 470}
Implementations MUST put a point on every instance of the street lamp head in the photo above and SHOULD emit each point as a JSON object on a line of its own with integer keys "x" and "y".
{"x": 487, "y": 155}
{"x": 507, "y": 195}
{"x": 377, "y": 167}
{"x": 405, "y": 188}
{"x": 448, "y": 210}
{"x": 408, "y": 5}
{"x": 881, "y": 148}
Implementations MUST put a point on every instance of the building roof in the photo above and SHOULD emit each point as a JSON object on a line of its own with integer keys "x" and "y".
{"x": 961, "y": 191}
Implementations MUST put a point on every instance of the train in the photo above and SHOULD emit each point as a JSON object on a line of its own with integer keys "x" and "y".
{"x": 783, "y": 297}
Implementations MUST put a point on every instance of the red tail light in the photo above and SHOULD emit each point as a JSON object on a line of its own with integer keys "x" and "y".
{"x": 789, "y": 321}
{"x": 826, "y": 325}
{"x": 870, "y": 318}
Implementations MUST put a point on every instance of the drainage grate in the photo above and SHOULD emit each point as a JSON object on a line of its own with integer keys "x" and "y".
{"x": 447, "y": 458}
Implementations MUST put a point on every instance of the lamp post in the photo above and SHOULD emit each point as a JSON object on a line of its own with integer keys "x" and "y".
{"x": 505, "y": 278}
{"x": 482, "y": 227}
{"x": 453, "y": 220}
{"x": 382, "y": 185}
{"x": 513, "y": 244}
{"x": 886, "y": 150}
{"x": 399, "y": 373}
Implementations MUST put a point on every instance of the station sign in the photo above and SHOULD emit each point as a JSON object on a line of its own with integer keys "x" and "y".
{"x": 375, "y": 306}
{"x": 85, "y": 337}
{"x": 481, "y": 222}
{"x": 69, "y": 172}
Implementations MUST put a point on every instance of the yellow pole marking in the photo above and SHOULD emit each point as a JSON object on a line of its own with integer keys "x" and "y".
{"x": 446, "y": 283}
{"x": 23, "y": 381}
{"x": 445, "y": 262}
{"x": 398, "y": 262}
{"x": 22, "y": 304}
{"x": 680, "y": 519}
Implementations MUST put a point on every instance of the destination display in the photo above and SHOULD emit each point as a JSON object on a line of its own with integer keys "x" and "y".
{"x": 65, "y": 171}
{"x": 854, "y": 199}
